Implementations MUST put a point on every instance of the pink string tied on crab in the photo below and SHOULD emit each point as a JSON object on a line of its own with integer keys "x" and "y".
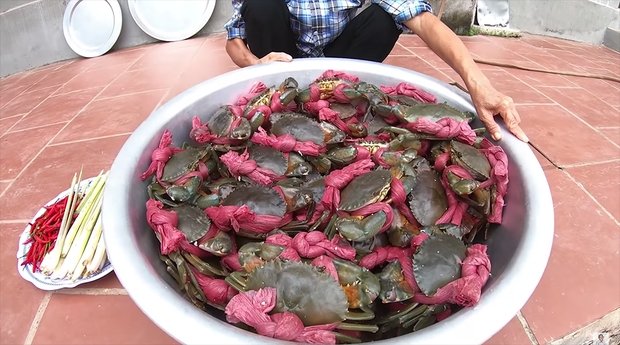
{"x": 499, "y": 175}
{"x": 446, "y": 128}
{"x": 287, "y": 143}
{"x": 160, "y": 156}
{"x": 406, "y": 89}
{"x": 456, "y": 208}
{"x": 338, "y": 179}
{"x": 289, "y": 253}
{"x": 399, "y": 200}
{"x": 339, "y": 93}
{"x": 374, "y": 208}
{"x": 315, "y": 107}
{"x": 332, "y": 74}
{"x": 254, "y": 91}
{"x": 164, "y": 223}
{"x": 242, "y": 165}
{"x": 252, "y": 308}
{"x": 217, "y": 291}
{"x": 465, "y": 291}
{"x": 333, "y": 117}
{"x": 390, "y": 253}
{"x": 441, "y": 161}
{"x": 243, "y": 218}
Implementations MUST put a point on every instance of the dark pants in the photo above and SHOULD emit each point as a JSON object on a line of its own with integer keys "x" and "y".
{"x": 371, "y": 35}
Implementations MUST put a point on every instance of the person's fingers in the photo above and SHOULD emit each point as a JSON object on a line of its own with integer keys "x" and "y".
{"x": 490, "y": 124}
{"x": 512, "y": 120}
{"x": 276, "y": 56}
{"x": 519, "y": 133}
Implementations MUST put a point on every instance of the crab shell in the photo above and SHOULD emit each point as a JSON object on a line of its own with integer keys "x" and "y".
{"x": 192, "y": 221}
{"x": 183, "y": 162}
{"x": 302, "y": 289}
{"x": 428, "y": 202}
{"x": 471, "y": 159}
{"x": 303, "y": 128}
{"x": 261, "y": 200}
{"x": 438, "y": 262}
{"x": 365, "y": 189}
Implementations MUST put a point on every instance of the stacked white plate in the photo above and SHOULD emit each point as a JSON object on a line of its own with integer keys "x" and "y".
{"x": 91, "y": 27}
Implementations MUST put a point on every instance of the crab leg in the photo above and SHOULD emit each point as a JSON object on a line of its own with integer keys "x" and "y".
{"x": 202, "y": 266}
{"x": 346, "y": 326}
{"x": 345, "y": 339}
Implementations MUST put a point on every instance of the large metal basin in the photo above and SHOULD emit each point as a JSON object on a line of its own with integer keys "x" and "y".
{"x": 519, "y": 248}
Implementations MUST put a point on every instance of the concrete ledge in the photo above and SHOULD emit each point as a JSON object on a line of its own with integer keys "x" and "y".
{"x": 579, "y": 20}
{"x": 612, "y": 39}
{"x": 31, "y": 33}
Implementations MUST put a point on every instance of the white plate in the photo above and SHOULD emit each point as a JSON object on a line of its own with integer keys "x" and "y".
{"x": 91, "y": 27}
{"x": 171, "y": 20}
{"x": 39, "y": 279}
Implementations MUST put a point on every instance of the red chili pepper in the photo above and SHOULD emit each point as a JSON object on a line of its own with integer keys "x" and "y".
{"x": 43, "y": 233}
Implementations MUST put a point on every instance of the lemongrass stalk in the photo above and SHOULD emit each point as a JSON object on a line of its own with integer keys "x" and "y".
{"x": 51, "y": 258}
{"x": 97, "y": 179}
{"x": 93, "y": 193}
{"x": 99, "y": 259}
{"x": 77, "y": 248}
{"x": 89, "y": 251}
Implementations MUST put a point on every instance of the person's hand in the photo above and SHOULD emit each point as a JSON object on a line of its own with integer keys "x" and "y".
{"x": 275, "y": 56}
{"x": 490, "y": 102}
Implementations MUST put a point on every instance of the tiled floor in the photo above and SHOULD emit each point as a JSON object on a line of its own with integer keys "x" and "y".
{"x": 58, "y": 117}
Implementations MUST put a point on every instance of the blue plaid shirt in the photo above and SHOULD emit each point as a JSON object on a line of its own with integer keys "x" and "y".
{"x": 309, "y": 19}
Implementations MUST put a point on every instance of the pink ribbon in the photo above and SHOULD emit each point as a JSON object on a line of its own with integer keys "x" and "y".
{"x": 160, "y": 156}
{"x": 217, "y": 291}
{"x": 446, "y": 128}
{"x": 252, "y": 308}
{"x": 338, "y": 179}
{"x": 287, "y": 143}
{"x": 242, "y": 165}
{"x": 243, "y": 218}
{"x": 411, "y": 91}
{"x": 164, "y": 223}
{"x": 465, "y": 291}
{"x": 314, "y": 244}
{"x": 499, "y": 175}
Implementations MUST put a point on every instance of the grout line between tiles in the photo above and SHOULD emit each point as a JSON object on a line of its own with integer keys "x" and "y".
{"x": 7, "y": 180}
{"x": 582, "y": 120}
{"x": 591, "y": 197}
{"x": 129, "y": 94}
{"x": 579, "y": 165}
{"x": 94, "y": 291}
{"x": 88, "y": 139}
{"x": 610, "y": 127}
{"x": 25, "y": 168}
{"x": 527, "y": 329}
{"x": 11, "y": 131}
{"x": 37, "y": 318}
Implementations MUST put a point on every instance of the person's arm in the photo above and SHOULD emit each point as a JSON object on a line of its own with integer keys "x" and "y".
{"x": 487, "y": 100}
{"x": 243, "y": 57}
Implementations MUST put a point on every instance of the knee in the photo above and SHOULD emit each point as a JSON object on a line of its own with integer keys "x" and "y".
{"x": 258, "y": 9}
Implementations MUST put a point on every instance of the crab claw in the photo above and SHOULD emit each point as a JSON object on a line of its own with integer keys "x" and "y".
{"x": 356, "y": 229}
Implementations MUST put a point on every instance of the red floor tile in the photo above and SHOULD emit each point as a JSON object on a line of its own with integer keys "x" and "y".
{"x": 50, "y": 173}
{"x": 581, "y": 282}
{"x": 61, "y": 108}
{"x": 607, "y": 91}
{"x": 111, "y": 116}
{"x": 520, "y": 92}
{"x": 142, "y": 80}
{"x": 19, "y": 298}
{"x": 541, "y": 79}
{"x": 512, "y": 334}
{"x": 80, "y": 317}
{"x": 603, "y": 182}
{"x": 416, "y": 64}
{"x": 176, "y": 54}
{"x": 29, "y": 78}
{"x": 4, "y": 185}
{"x": 399, "y": 49}
{"x": 110, "y": 281}
{"x": 9, "y": 93}
{"x": 57, "y": 77}
{"x": 409, "y": 40}
{"x": 539, "y": 42}
{"x": 7, "y": 123}
{"x": 428, "y": 56}
{"x": 562, "y": 137}
{"x": 93, "y": 77}
{"x": 25, "y": 102}
{"x": 585, "y": 105}
{"x": 612, "y": 134}
{"x": 19, "y": 148}
{"x": 545, "y": 163}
